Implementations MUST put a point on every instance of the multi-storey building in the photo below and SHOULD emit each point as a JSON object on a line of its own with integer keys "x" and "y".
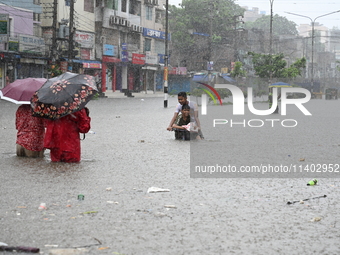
{"x": 121, "y": 42}
{"x": 252, "y": 14}
{"x": 59, "y": 16}
{"x": 131, "y": 43}
{"x": 22, "y": 50}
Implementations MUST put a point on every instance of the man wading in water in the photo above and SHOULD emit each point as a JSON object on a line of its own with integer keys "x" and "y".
{"x": 182, "y": 100}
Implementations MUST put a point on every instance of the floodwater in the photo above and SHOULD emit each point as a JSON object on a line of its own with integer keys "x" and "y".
{"x": 131, "y": 150}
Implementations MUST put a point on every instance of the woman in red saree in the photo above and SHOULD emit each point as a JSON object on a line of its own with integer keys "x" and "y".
{"x": 62, "y": 136}
{"x": 30, "y": 135}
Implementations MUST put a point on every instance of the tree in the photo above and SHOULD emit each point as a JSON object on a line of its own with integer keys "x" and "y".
{"x": 266, "y": 66}
{"x": 281, "y": 25}
{"x": 54, "y": 70}
{"x": 210, "y": 23}
{"x": 238, "y": 70}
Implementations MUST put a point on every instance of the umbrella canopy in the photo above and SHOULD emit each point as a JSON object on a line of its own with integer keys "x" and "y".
{"x": 280, "y": 85}
{"x": 203, "y": 77}
{"x": 21, "y": 91}
{"x": 62, "y": 95}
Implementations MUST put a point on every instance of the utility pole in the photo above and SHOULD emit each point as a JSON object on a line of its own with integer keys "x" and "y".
{"x": 271, "y": 41}
{"x": 71, "y": 36}
{"x": 54, "y": 32}
{"x": 210, "y": 64}
{"x": 313, "y": 35}
{"x": 166, "y": 56}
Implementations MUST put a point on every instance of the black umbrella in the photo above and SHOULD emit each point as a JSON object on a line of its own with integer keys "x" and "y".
{"x": 62, "y": 95}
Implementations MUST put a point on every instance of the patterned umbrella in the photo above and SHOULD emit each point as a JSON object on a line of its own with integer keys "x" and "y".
{"x": 21, "y": 91}
{"x": 62, "y": 95}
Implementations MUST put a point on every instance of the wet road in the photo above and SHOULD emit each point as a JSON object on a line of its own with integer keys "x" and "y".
{"x": 132, "y": 151}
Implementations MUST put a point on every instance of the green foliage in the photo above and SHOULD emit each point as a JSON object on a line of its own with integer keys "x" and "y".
{"x": 281, "y": 25}
{"x": 238, "y": 71}
{"x": 197, "y": 92}
{"x": 95, "y": 96}
{"x": 215, "y": 17}
{"x": 260, "y": 93}
{"x": 54, "y": 71}
{"x": 222, "y": 92}
{"x": 267, "y": 65}
{"x": 338, "y": 66}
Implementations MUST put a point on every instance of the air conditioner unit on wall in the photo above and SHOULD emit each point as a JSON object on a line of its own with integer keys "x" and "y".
{"x": 111, "y": 20}
{"x": 155, "y": 2}
{"x": 134, "y": 27}
{"x": 141, "y": 29}
{"x": 114, "y": 20}
{"x": 123, "y": 22}
{"x": 128, "y": 24}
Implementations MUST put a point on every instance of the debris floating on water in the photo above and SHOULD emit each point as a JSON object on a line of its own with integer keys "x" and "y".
{"x": 155, "y": 189}
{"x": 316, "y": 219}
{"x": 42, "y": 206}
{"x": 296, "y": 201}
{"x": 170, "y": 206}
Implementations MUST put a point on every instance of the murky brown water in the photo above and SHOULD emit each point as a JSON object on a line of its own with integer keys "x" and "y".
{"x": 132, "y": 151}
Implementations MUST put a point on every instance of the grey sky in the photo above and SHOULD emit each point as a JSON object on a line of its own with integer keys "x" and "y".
{"x": 310, "y": 8}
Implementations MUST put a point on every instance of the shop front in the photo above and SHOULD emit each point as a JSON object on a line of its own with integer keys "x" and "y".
{"x": 31, "y": 67}
{"x": 135, "y": 74}
{"x": 111, "y": 71}
{"x": 150, "y": 70}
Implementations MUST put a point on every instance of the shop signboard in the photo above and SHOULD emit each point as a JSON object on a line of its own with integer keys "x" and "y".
{"x": 13, "y": 44}
{"x": 138, "y": 59}
{"x": 155, "y": 34}
{"x": 86, "y": 40}
{"x": 151, "y": 59}
{"x": 110, "y": 50}
{"x": 4, "y": 24}
{"x": 31, "y": 44}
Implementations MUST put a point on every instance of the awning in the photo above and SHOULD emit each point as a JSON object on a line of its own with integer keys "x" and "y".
{"x": 280, "y": 85}
{"x": 227, "y": 78}
{"x": 109, "y": 59}
{"x": 87, "y": 63}
{"x": 202, "y": 77}
{"x": 33, "y": 61}
{"x": 154, "y": 68}
{"x": 93, "y": 65}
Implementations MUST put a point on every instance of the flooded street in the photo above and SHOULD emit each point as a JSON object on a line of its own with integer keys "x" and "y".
{"x": 131, "y": 151}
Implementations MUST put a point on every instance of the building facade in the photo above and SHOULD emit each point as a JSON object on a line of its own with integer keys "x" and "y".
{"x": 130, "y": 41}
{"x": 22, "y": 50}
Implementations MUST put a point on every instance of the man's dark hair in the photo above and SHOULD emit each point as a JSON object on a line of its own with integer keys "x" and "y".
{"x": 182, "y": 94}
{"x": 185, "y": 106}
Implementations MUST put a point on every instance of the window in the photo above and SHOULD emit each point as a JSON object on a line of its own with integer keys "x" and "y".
{"x": 36, "y": 17}
{"x": 158, "y": 18}
{"x": 112, "y": 4}
{"x": 134, "y": 7}
{"x": 148, "y": 12}
{"x": 37, "y": 30}
{"x": 147, "y": 45}
{"x": 124, "y": 2}
{"x": 10, "y": 31}
{"x": 88, "y": 6}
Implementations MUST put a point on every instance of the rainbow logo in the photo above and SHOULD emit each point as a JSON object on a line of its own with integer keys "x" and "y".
{"x": 210, "y": 94}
